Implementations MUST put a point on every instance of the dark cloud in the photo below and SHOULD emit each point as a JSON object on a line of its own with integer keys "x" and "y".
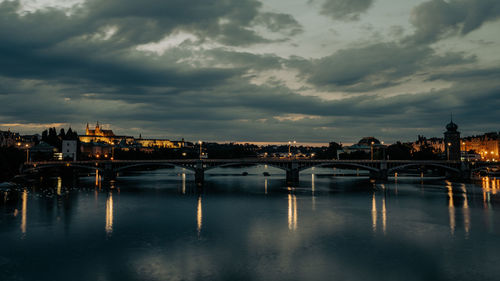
{"x": 436, "y": 19}
{"x": 86, "y": 66}
{"x": 374, "y": 66}
{"x": 278, "y": 22}
{"x": 347, "y": 10}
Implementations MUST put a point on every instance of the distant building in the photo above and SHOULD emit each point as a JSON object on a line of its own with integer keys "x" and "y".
{"x": 437, "y": 144}
{"x": 365, "y": 144}
{"x": 69, "y": 149}
{"x": 42, "y": 151}
{"x": 105, "y": 136}
{"x": 99, "y": 143}
{"x": 98, "y": 131}
{"x": 97, "y": 150}
{"x": 8, "y": 138}
{"x": 487, "y": 146}
{"x": 452, "y": 142}
{"x": 159, "y": 143}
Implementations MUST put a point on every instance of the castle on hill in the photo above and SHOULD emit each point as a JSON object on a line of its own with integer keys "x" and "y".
{"x": 98, "y": 131}
{"x": 107, "y": 137}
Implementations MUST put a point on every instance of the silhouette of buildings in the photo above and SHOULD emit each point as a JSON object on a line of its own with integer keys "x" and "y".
{"x": 452, "y": 142}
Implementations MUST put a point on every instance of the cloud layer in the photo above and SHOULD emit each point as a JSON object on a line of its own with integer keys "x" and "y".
{"x": 221, "y": 70}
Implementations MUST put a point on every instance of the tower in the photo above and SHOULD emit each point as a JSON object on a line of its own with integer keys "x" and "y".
{"x": 97, "y": 129}
{"x": 452, "y": 142}
{"x": 87, "y": 132}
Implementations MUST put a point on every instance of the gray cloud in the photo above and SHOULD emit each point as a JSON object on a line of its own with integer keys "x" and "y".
{"x": 73, "y": 69}
{"x": 346, "y": 10}
{"x": 436, "y": 19}
{"x": 374, "y": 66}
{"x": 278, "y": 22}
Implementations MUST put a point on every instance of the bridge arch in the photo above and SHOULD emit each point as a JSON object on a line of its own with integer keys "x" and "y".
{"x": 122, "y": 168}
{"x": 343, "y": 165}
{"x": 39, "y": 167}
{"x": 444, "y": 167}
{"x": 484, "y": 167}
{"x": 246, "y": 164}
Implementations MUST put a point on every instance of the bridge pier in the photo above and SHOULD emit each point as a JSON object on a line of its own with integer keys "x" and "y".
{"x": 379, "y": 175}
{"x": 199, "y": 173}
{"x": 108, "y": 173}
{"x": 292, "y": 173}
{"x": 292, "y": 177}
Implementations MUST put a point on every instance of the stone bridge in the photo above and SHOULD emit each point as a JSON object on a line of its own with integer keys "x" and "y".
{"x": 379, "y": 169}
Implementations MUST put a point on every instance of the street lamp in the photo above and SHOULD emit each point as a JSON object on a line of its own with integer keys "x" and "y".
{"x": 295, "y": 144}
{"x": 371, "y": 149}
{"x": 289, "y": 144}
{"x": 466, "y": 152}
{"x": 200, "y": 142}
{"x": 27, "y": 153}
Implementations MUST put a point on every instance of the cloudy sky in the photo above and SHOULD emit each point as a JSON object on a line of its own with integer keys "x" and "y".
{"x": 250, "y": 70}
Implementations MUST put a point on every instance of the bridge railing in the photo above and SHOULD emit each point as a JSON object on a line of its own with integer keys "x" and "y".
{"x": 240, "y": 160}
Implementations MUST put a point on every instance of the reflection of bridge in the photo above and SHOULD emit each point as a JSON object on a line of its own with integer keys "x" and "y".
{"x": 379, "y": 169}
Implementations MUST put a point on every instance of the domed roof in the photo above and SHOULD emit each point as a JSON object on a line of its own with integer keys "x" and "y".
{"x": 451, "y": 126}
{"x": 368, "y": 141}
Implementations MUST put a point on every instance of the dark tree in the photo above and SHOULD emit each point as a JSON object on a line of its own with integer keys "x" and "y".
{"x": 62, "y": 134}
{"x": 426, "y": 152}
{"x": 399, "y": 151}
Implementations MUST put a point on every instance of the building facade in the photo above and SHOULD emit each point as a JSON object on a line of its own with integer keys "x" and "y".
{"x": 69, "y": 149}
{"x": 98, "y": 135}
{"x": 99, "y": 142}
{"x": 486, "y": 145}
{"x": 452, "y": 142}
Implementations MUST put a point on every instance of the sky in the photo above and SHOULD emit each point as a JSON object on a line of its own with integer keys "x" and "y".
{"x": 251, "y": 71}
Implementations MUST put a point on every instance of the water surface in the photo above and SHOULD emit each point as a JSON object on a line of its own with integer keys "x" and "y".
{"x": 156, "y": 225}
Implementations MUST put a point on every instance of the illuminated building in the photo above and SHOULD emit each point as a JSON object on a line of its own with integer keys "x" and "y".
{"x": 99, "y": 135}
{"x": 100, "y": 142}
{"x": 98, "y": 131}
{"x": 486, "y": 145}
{"x": 159, "y": 143}
{"x": 437, "y": 144}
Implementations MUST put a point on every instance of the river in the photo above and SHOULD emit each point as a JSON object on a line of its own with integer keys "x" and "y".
{"x": 156, "y": 225}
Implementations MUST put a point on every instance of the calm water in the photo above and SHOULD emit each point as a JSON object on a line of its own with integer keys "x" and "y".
{"x": 156, "y": 225}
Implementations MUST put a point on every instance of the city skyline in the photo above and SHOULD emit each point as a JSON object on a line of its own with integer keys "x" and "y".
{"x": 252, "y": 71}
{"x": 297, "y": 142}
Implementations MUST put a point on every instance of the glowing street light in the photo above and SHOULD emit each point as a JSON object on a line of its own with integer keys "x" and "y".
{"x": 200, "y": 142}
{"x": 289, "y": 145}
{"x": 371, "y": 149}
{"x": 27, "y": 153}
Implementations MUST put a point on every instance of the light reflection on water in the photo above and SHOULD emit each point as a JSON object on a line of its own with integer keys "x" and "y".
{"x": 451, "y": 207}
{"x": 247, "y": 228}
{"x": 374, "y": 214}
{"x": 292, "y": 211}
{"x": 109, "y": 214}
{"x": 199, "y": 216}
{"x": 24, "y": 211}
